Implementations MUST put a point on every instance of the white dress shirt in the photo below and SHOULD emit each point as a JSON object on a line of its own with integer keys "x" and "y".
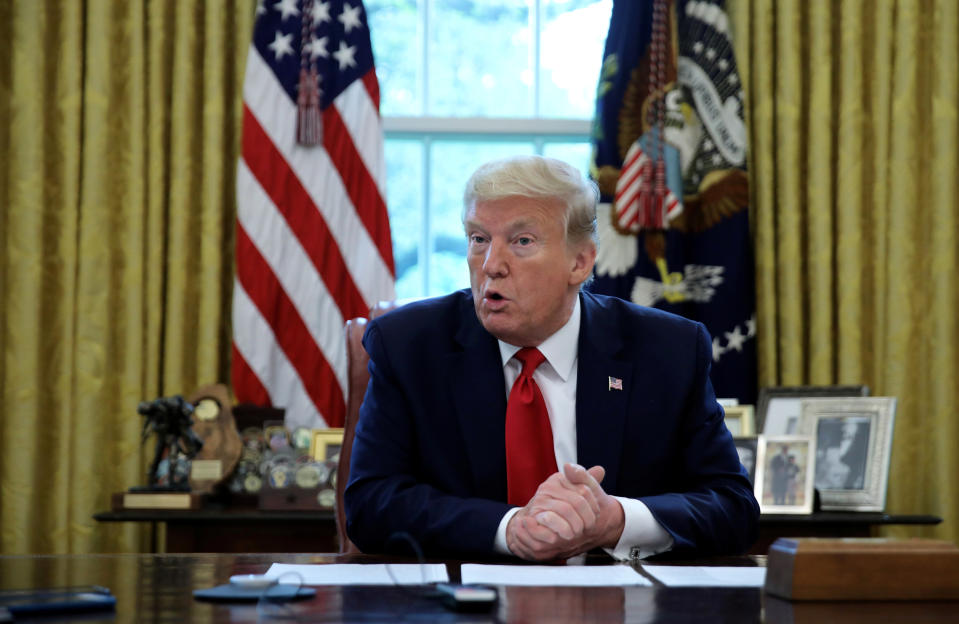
{"x": 642, "y": 535}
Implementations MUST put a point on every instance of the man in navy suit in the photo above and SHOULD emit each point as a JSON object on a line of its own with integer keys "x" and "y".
{"x": 626, "y": 389}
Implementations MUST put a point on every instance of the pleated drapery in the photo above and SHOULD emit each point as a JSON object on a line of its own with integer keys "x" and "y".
{"x": 119, "y": 131}
{"x": 852, "y": 117}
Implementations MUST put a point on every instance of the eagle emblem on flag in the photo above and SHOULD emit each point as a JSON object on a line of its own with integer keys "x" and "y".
{"x": 669, "y": 157}
{"x": 695, "y": 139}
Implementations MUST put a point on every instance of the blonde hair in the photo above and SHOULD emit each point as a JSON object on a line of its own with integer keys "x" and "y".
{"x": 541, "y": 177}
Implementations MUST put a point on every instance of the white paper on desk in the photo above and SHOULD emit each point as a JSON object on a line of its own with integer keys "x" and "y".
{"x": 359, "y": 573}
{"x": 562, "y": 576}
{"x": 707, "y": 576}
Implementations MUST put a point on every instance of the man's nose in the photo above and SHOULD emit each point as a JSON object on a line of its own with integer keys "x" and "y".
{"x": 495, "y": 264}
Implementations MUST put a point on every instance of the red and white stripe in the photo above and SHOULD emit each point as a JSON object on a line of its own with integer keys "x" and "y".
{"x": 636, "y": 194}
{"x": 313, "y": 246}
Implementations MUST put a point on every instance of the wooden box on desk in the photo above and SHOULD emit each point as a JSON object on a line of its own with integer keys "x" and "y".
{"x": 862, "y": 569}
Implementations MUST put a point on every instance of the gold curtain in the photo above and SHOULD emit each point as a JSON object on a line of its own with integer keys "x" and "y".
{"x": 852, "y": 115}
{"x": 119, "y": 130}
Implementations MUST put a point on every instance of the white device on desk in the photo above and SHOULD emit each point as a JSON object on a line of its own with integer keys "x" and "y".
{"x": 466, "y": 597}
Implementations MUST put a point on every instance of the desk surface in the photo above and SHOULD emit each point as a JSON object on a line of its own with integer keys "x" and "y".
{"x": 155, "y": 588}
{"x": 247, "y": 530}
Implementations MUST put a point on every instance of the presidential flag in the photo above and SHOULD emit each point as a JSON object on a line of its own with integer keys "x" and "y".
{"x": 670, "y": 160}
{"x": 313, "y": 246}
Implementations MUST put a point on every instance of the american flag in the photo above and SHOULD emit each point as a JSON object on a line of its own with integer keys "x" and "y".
{"x": 635, "y": 206}
{"x": 313, "y": 245}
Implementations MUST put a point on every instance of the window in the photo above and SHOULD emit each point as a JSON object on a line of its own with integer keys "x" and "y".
{"x": 465, "y": 81}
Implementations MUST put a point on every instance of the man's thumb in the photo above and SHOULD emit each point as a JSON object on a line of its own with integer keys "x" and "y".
{"x": 598, "y": 473}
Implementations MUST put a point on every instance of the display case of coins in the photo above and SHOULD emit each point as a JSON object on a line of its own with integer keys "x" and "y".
{"x": 278, "y": 468}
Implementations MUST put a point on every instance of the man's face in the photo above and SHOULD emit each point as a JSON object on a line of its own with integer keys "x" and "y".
{"x": 523, "y": 274}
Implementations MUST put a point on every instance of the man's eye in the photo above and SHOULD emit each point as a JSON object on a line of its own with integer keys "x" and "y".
{"x": 524, "y": 240}
{"x": 476, "y": 239}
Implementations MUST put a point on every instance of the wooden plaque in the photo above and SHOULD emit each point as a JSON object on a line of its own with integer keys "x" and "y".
{"x": 122, "y": 501}
{"x": 213, "y": 423}
{"x": 862, "y": 569}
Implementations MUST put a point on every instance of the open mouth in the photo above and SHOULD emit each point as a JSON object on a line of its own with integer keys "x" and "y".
{"x": 494, "y": 301}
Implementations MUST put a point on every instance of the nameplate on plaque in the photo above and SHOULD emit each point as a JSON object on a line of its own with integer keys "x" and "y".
{"x": 206, "y": 469}
{"x": 156, "y": 500}
{"x": 862, "y": 569}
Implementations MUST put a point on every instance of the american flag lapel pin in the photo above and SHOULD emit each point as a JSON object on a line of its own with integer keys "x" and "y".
{"x": 615, "y": 383}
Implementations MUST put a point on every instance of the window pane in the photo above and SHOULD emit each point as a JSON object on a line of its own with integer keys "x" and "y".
{"x": 571, "y": 54}
{"x": 404, "y": 190}
{"x": 453, "y": 162}
{"x": 479, "y": 59}
{"x": 397, "y": 48}
{"x": 575, "y": 153}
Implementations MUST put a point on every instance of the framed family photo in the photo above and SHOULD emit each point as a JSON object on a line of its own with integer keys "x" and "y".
{"x": 740, "y": 420}
{"x": 326, "y": 444}
{"x": 777, "y": 410}
{"x": 746, "y": 446}
{"x": 784, "y": 474}
{"x": 853, "y": 448}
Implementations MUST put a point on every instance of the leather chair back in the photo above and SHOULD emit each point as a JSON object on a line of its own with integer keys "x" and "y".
{"x": 358, "y": 377}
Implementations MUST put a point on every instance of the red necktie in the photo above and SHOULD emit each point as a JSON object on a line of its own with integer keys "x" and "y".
{"x": 529, "y": 439}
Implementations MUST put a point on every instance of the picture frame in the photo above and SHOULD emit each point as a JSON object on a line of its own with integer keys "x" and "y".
{"x": 326, "y": 444}
{"x": 854, "y": 446}
{"x": 747, "y": 448}
{"x": 777, "y": 410}
{"x": 741, "y": 420}
{"x": 785, "y": 474}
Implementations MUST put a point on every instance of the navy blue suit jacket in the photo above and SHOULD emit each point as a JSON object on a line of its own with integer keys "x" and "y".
{"x": 429, "y": 454}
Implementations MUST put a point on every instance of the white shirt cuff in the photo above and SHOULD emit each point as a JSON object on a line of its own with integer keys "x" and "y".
{"x": 499, "y": 543}
{"x": 642, "y": 535}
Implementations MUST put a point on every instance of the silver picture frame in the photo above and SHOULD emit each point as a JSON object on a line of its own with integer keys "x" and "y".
{"x": 854, "y": 445}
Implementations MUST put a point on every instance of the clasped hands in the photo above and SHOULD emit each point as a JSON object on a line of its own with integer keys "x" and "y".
{"x": 569, "y": 514}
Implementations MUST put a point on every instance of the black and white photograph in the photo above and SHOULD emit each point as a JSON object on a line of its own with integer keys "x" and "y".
{"x": 842, "y": 445}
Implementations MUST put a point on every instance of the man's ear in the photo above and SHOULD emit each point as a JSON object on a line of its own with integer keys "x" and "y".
{"x": 582, "y": 263}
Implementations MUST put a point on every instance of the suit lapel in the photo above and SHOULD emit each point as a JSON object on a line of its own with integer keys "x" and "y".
{"x": 601, "y": 411}
{"x": 480, "y": 403}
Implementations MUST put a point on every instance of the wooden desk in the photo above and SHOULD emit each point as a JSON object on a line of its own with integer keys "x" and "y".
{"x": 158, "y": 588}
{"x": 236, "y": 530}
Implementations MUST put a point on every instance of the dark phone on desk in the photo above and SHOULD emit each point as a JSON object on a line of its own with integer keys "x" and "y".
{"x": 56, "y": 600}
